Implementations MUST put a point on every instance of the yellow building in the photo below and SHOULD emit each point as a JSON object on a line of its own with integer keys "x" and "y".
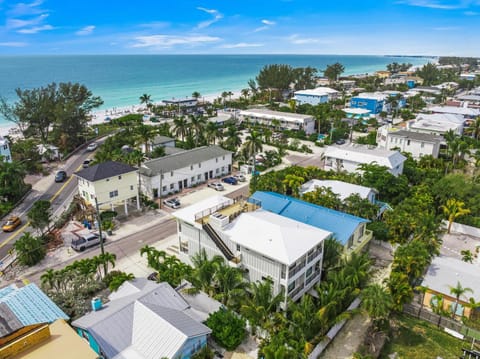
{"x": 444, "y": 274}
{"x": 46, "y": 341}
{"x": 111, "y": 183}
{"x": 382, "y": 74}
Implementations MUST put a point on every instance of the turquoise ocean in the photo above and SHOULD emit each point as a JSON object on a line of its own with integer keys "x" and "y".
{"x": 121, "y": 79}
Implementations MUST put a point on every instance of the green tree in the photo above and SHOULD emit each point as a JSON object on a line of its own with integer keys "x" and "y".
{"x": 146, "y": 100}
{"x": 400, "y": 289}
{"x": 292, "y": 184}
{"x": 12, "y": 185}
{"x": 467, "y": 256}
{"x": 230, "y": 285}
{"x": 196, "y": 95}
{"x": 204, "y": 271}
{"x": 30, "y": 250}
{"x": 117, "y": 278}
{"x": 458, "y": 291}
{"x": 275, "y": 77}
{"x": 253, "y": 144}
{"x": 145, "y": 134}
{"x": 233, "y": 140}
{"x": 305, "y": 77}
{"x": 377, "y": 302}
{"x": 212, "y": 133}
{"x": 453, "y": 209}
{"x": 197, "y": 124}
{"x": 227, "y": 328}
{"x": 40, "y": 216}
{"x": 323, "y": 196}
{"x": 429, "y": 73}
{"x": 332, "y": 72}
{"x": 180, "y": 127}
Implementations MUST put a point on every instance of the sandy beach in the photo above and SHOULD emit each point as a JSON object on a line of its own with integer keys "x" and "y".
{"x": 99, "y": 116}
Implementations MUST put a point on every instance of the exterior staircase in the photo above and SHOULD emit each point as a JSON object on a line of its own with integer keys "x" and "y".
{"x": 218, "y": 241}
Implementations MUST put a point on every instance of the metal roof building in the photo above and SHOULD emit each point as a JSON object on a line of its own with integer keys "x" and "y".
{"x": 342, "y": 225}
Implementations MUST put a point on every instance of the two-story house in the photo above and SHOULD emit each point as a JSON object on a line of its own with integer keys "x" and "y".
{"x": 110, "y": 183}
{"x": 315, "y": 96}
{"x": 279, "y": 120}
{"x": 5, "y": 150}
{"x": 264, "y": 244}
{"x": 437, "y": 124}
{"x": 417, "y": 143}
{"x": 144, "y": 320}
{"x": 170, "y": 174}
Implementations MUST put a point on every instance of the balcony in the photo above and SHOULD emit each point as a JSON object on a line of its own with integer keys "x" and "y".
{"x": 230, "y": 208}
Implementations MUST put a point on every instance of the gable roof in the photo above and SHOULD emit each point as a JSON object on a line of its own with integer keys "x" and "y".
{"x": 363, "y": 154}
{"x": 181, "y": 160}
{"x": 143, "y": 318}
{"x": 343, "y": 189}
{"x": 159, "y": 139}
{"x": 447, "y": 271}
{"x": 30, "y": 305}
{"x": 104, "y": 170}
{"x": 342, "y": 225}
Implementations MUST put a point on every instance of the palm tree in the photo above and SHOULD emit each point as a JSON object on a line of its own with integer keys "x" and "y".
{"x": 204, "y": 271}
{"x": 230, "y": 285}
{"x": 400, "y": 289}
{"x": 233, "y": 139}
{"x": 48, "y": 279}
{"x": 245, "y": 93}
{"x": 253, "y": 144}
{"x": 377, "y": 302}
{"x": 197, "y": 124}
{"x": 467, "y": 255}
{"x": 105, "y": 259}
{"x": 458, "y": 291}
{"x": 453, "y": 209}
{"x": 212, "y": 132}
{"x": 196, "y": 95}
{"x": 145, "y": 134}
{"x": 146, "y": 99}
{"x": 224, "y": 96}
{"x": 293, "y": 183}
{"x": 260, "y": 303}
{"x": 181, "y": 127}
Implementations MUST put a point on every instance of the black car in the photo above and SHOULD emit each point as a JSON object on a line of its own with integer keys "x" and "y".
{"x": 340, "y": 142}
{"x": 60, "y": 176}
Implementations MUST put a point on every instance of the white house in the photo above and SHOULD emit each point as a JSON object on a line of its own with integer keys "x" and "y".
{"x": 262, "y": 243}
{"x": 437, "y": 123}
{"x": 159, "y": 141}
{"x": 315, "y": 96}
{"x": 348, "y": 158}
{"x": 286, "y": 120}
{"x": 5, "y": 150}
{"x": 170, "y": 174}
{"x": 48, "y": 152}
{"x": 111, "y": 183}
{"x": 342, "y": 189}
{"x": 181, "y": 103}
{"x": 466, "y": 112}
{"x": 417, "y": 143}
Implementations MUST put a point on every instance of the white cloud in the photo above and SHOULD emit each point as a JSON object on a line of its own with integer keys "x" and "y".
{"x": 241, "y": 45}
{"x": 216, "y": 17}
{"x": 35, "y": 29}
{"x": 268, "y": 22}
{"x": 164, "y": 41}
{"x": 87, "y": 30}
{"x": 23, "y": 9}
{"x": 441, "y": 4}
{"x": 13, "y": 44}
{"x": 19, "y": 23}
{"x": 296, "y": 39}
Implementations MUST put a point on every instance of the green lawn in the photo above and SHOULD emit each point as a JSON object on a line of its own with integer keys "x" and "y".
{"x": 415, "y": 338}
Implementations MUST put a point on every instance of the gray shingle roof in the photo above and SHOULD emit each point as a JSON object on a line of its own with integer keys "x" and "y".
{"x": 159, "y": 139}
{"x": 104, "y": 170}
{"x": 419, "y": 136}
{"x": 181, "y": 160}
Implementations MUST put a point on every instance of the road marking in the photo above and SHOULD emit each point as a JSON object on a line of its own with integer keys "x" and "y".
{"x": 19, "y": 231}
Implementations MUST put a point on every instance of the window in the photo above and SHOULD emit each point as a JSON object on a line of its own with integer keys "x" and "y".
{"x": 171, "y": 174}
{"x": 5, "y": 147}
{"x": 217, "y": 170}
{"x": 309, "y": 271}
{"x": 193, "y": 179}
{"x": 119, "y": 177}
{"x": 164, "y": 189}
{"x": 199, "y": 165}
{"x": 291, "y": 287}
{"x": 223, "y": 169}
{"x": 113, "y": 194}
{"x": 131, "y": 188}
{"x": 408, "y": 142}
{"x": 162, "y": 176}
{"x": 238, "y": 247}
{"x": 199, "y": 177}
{"x": 216, "y": 159}
{"x": 422, "y": 144}
{"x": 172, "y": 186}
{"x": 191, "y": 167}
{"x": 223, "y": 157}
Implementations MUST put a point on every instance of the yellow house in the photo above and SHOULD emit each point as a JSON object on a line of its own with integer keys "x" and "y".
{"x": 42, "y": 341}
{"x": 110, "y": 183}
{"x": 382, "y": 74}
{"x": 443, "y": 274}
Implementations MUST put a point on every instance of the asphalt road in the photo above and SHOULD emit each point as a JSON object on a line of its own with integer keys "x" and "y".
{"x": 59, "y": 194}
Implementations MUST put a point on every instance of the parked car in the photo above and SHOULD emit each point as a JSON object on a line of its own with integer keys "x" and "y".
{"x": 86, "y": 241}
{"x": 11, "y": 224}
{"x": 60, "y": 176}
{"x": 86, "y": 163}
{"x": 216, "y": 186}
{"x": 240, "y": 177}
{"x": 92, "y": 147}
{"x": 340, "y": 142}
{"x": 230, "y": 180}
{"x": 172, "y": 202}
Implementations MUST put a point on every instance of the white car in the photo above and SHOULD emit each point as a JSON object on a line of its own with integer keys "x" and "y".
{"x": 240, "y": 177}
{"x": 92, "y": 147}
{"x": 172, "y": 203}
{"x": 216, "y": 186}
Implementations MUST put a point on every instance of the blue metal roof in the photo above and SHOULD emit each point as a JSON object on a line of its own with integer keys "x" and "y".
{"x": 341, "y": 224}
{"x": 30, "y": 305}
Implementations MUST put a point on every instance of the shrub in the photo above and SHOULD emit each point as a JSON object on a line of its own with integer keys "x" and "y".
{"x": 227, "y": 328}
{"x": 108, "y": 215}
{"x": 30, "y": 250}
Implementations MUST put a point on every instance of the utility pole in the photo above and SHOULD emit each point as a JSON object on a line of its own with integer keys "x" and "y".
{"x": 160, "y": 190}
{"x": 99, "y": 220}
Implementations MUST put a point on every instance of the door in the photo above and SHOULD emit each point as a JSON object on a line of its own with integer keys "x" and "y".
{"x": 211, "y": 174}
{"x": 180, "y": 185}
{"x": 185, "y": 183}
{"x": 229, "y": 168}
{"x": 206, "y": 176}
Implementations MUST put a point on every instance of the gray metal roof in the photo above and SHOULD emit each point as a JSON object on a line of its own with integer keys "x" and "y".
{"x": 114, "y": 325}
{"x": 105, "y": 170}
{"x": 159, "y": 139}
{"x": 182, "y": 160}
{"x": 9, "y": 322}
{"x": 419, "y": 136}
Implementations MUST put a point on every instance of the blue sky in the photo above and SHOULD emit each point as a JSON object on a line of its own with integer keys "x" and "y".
{"x": 416, "y": 27}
